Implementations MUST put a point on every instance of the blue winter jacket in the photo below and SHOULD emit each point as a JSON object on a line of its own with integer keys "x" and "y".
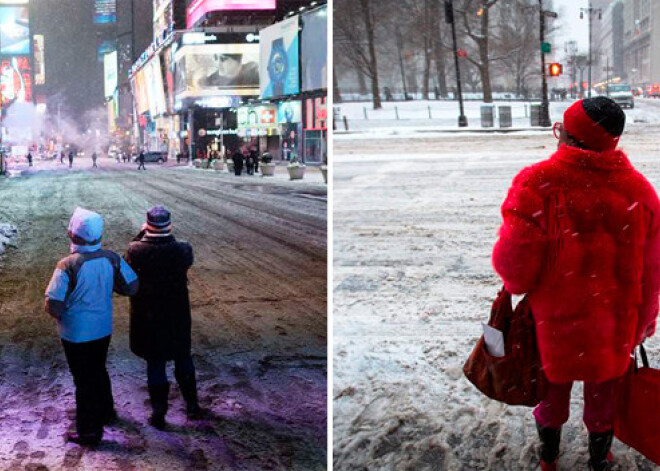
{"x": 79, "y": 294}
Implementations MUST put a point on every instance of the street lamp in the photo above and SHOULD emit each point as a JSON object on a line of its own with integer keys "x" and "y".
{"x": 590, "y": 11}
{"x": 449, "y": 18}
{"x": 545, "y": 105}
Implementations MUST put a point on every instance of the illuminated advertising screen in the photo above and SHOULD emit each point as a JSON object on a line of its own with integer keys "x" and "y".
{"x": 110, "y": 73}
{"x": 14, "y": 30}
{"x": 289, "y": 112}
{"x": 155, "y": 90}
{"x": 217, "y": 69}
{"x": 39, "y": 64}
{"x": 260, "y": 116}
{"x": 104, "y": 48}
{"x": 105, "y": 11}
{"x": 15, "y": 80}
{"x": 140, "y": 92}
{"x": 279, "y": 71}
{"x": 314, "y": 50}
{"x": 199, "y": 8}
{"x": 169, "y": 78}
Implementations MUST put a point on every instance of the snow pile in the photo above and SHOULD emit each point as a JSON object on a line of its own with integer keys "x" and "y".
{"x": 8, "y": 235}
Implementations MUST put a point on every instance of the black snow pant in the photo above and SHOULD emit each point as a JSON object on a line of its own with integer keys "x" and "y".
{"x": 70, "y": 163}
{"x": 94, "y": 404}
{"x": 141, "y": 166}
{"x": 237, "y": 169}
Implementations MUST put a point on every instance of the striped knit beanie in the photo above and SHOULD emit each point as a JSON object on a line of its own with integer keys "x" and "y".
{"x": 159, "y": 221}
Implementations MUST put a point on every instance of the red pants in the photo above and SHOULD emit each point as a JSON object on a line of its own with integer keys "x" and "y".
{"x": 599, "y": 403}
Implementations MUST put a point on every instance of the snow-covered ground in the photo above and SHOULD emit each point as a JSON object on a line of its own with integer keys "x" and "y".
{"x": 426, "y": 116}
{"x": 415, "y": 219}
{"x": 258, "y": 295}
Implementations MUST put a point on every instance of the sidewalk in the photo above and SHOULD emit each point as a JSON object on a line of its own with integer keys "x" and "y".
{"x": 313, "y": 175}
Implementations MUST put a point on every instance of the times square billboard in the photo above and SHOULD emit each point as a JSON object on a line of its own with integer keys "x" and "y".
{"x": 199, "y": 8}
{"x": 16, "y": 50}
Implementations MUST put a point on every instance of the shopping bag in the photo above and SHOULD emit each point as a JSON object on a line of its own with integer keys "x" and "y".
{"x": 637, "y": 415}
{"x": 517, "y": 378}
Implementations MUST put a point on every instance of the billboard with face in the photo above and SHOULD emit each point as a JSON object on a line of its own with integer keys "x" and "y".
{"x": 14, "y": 30}
{"x": 15, "y": 80}
{"x": 315, "y": 50}
{"x": 289, "y": 112}
{"x": 279, "y": 56}
{"x": 199, "y": 8}
{"x": 217, "y": 69}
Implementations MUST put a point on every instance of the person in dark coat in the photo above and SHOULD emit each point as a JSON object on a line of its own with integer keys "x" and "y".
{"x": 160, "y": 312}
{"x": 255, "y": 157}
{"x": 29, "y": 159}
{"x": 249, "y": 164}
{"x": 94, "y": 157}
{"x": 141, "y": 161}
{"x": 238, "y": 161}
{"x": 70, "y": 158}
{"x": 62, "y": 157}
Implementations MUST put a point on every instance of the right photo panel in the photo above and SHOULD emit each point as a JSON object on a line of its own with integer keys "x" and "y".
{"x": 496, "y": 235}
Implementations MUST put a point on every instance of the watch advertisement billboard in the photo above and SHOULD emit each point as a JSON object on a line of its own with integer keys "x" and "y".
{"x": 110, "y": 73}
{"x": 14, "y": 30}
{"x": 314, "y": 50}
{"x": 199, "y": 8}
{"x": 289, "y": 112}
{"x": 105, "y": 11}
{"x": 15, "y": 80}
{"x": 216, "y": 69}
{"x": 279, "y": 46}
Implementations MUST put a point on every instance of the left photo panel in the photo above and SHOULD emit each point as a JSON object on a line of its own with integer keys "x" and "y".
{"x": 163, "y": 234}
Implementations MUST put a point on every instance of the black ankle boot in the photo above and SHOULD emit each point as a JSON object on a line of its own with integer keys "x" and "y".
{"x": 158, "y": 395}
{"x": 550, "y": 438}
{"x": 188, "y": 387}
{"x": 599, "y": 448}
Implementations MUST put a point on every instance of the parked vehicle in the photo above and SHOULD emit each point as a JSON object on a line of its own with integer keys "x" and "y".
{"x": 153, "y": 156}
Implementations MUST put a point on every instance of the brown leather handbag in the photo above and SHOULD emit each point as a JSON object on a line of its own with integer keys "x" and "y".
{"x": 517, "y": 378}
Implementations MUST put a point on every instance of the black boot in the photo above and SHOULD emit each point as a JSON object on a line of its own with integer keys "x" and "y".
{"x": 550, "y": 438}
{"x": 86, "y": 439}
{"x": 158, "y": 395}
{"x": 188, "y": 387}
{"x": 599, "y": 451}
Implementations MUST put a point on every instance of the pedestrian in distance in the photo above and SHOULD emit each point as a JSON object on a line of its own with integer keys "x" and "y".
{"x": 238, "y": 162}
{"x": 29, "y": 158}
{"x": 141, "y": 161}
{"x": 70, "y": 158}
{"x": 581, "y": 236}
{"x": 160, "y": 323}
{"x": 94, "y": 157}
{"x": 249, "y": 163}
{"x": 62, "y": 157}
{"x": 255, "y": 157}
{"x": 79, "y": 297}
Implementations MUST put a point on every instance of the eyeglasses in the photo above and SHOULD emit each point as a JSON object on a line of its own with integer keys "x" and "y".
{"x": 557, "y": 128}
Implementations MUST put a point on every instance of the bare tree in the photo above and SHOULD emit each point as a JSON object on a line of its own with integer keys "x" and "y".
{"x": 476, "y": 15}
{"x": 355, "y": 38}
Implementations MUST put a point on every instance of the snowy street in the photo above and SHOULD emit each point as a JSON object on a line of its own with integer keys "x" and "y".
{"x": 258, "y": 294}
{"x": 415, "y": 220}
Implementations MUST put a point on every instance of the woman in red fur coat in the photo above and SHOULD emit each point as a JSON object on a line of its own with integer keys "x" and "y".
{"x": 581, "y": 236}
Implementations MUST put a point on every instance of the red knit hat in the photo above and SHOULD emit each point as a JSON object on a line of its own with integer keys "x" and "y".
{"x": 595, "y": 122}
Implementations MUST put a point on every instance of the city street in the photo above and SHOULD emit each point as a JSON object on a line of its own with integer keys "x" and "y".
{"x": 258, "y": 294}
{"x": 413, "y": 282}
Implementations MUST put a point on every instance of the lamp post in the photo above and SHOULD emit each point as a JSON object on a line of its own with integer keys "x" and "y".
{"x": 449, "y": 18}
{"x": 545, "y": 105}
{"x": 590, "y": 11}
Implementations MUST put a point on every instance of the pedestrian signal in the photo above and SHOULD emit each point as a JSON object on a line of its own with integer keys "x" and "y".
{"x": 555, "y": 69}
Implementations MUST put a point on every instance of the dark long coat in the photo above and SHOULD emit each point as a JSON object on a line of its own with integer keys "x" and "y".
{"x": 160, "y": 312}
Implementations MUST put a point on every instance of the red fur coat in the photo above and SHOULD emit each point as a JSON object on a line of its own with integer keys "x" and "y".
{"x": 581, "y": 236}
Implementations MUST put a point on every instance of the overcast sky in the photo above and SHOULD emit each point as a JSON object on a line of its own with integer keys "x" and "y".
{"x": 571, "y": 27}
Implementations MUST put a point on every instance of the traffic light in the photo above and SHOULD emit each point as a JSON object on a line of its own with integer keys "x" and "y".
{"x": 555, "y": 69}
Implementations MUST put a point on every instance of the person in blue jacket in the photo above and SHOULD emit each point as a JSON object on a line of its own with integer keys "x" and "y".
{"x": 79, "y": 297}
